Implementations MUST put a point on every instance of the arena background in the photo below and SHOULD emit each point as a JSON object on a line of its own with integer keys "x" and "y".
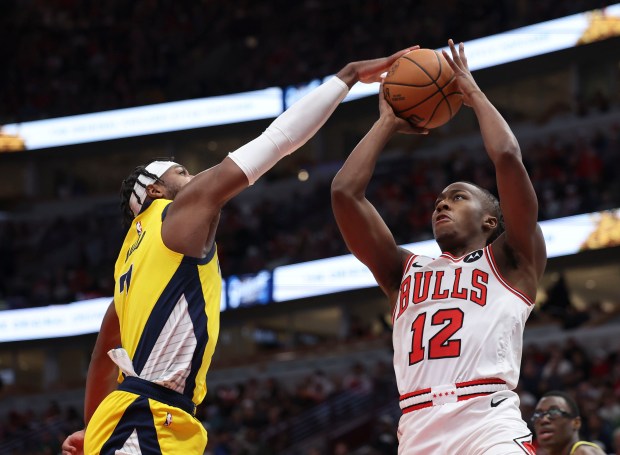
{"x": 300, "y": 375}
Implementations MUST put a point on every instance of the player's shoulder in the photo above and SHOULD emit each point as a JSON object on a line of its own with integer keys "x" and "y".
{"x": 587, "y": 448}
{"x": 412, "y": 261}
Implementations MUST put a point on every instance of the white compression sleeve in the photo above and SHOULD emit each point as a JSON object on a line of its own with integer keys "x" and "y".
{"x": 290, "y": 130}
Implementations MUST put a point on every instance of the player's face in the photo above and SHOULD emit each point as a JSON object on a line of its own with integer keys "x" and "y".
{"x": 553, "y": 423}
{"x": 173, "y": 180}
{"x": 458, "y": 212}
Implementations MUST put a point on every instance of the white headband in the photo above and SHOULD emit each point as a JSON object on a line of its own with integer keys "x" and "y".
{"x": 139, "y": 189}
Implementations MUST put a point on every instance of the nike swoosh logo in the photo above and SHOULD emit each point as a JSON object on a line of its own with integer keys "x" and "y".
{"x": 415, "y": 264}
{"x": 497, "y": 403}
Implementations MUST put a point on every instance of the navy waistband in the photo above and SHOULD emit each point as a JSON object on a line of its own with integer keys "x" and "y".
{"x": 157, "y": 392}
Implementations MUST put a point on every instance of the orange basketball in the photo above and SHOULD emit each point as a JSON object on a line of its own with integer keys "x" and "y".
{"x": 421, "y": 88}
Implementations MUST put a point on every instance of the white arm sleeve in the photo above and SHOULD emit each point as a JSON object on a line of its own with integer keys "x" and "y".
{"x": 290, "y": 130}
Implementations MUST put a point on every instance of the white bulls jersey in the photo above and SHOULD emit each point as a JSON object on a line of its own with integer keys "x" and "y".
{"x": 457, "y": 321}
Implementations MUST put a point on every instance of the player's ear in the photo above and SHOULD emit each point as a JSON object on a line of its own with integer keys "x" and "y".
{"x": 576, "y": 423}
{"x": 154, "y": 191}
{"x": 489, "y": 222}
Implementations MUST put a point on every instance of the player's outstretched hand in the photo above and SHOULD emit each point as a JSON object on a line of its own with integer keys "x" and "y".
{"x": 398, "y": 125}
{"x": 74, "y": 444}
{"x": 369, "y": 71}
{"x": 458, "y": 63}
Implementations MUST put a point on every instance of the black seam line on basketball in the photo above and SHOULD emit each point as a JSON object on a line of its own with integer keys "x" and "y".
{"x": 440, "y": 89}
{"x": 426, "y": 99}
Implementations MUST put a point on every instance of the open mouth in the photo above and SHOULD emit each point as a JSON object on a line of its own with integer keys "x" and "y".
{"x": 442, "y": 218}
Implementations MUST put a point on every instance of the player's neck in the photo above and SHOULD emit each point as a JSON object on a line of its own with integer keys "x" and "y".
{"x": 462, "y": 249}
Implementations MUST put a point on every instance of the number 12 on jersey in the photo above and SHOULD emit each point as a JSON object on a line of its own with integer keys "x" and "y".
{"x": 440, "y": 346}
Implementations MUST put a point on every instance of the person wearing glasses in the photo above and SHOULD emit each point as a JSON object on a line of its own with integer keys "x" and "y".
{"x": 557, "y": 422}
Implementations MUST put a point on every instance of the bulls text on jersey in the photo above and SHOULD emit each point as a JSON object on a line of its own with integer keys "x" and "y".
{"x": 435, "y": 285}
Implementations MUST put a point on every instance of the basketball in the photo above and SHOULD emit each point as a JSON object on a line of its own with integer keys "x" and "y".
{"x": 421, "y": 88}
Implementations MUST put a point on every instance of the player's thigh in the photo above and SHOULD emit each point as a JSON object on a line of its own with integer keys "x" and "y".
{"x": 105, "y": 420}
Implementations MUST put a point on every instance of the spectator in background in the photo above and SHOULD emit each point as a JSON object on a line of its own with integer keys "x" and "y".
{"x": 557, "y": 422}
{"x": 385, "y": 441}
{"x": 616, "y": 437}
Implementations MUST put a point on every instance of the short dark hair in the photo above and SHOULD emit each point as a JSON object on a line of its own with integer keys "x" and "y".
{"x": 572, "y": 404}
{"x": 492, "y": 205}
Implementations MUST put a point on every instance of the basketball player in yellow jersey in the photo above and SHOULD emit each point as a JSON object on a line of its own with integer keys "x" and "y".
{"x": 557, "y": 422}
{"x": 150, "y": 361}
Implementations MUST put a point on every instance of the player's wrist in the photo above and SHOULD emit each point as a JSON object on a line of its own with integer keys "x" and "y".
{"x": 388, "y": 124}
{"x": 349, "y": 74}
{"x": 475, "y": 94}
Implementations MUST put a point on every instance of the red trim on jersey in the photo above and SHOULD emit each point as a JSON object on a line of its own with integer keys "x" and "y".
{"x": 415, "y": 394}
{"x": 451, "y": 257}
{"x": 428, "y": 404}
{"x": 415, "y": 407}
{"x": 473, "y": 395}
{"x": 498, "y": 275}
{"x": 408, "y": 263}
{"x": 396, "y": 305}
{"x": 479, "y": 382}
{"x": 454, "y": 258}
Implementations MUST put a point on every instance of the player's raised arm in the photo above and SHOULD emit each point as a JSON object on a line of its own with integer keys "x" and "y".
{"x": 516, "y": 193}
{"x": 189, "y": 222}
{"x": 364, "y": 231}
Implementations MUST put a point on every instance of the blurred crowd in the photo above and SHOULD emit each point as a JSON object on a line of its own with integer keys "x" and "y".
{"x": 69, "y": 57}
{"x": 269, "y": 416}
{"x": 63, "y": 259}
{"x": 65, "y": 57}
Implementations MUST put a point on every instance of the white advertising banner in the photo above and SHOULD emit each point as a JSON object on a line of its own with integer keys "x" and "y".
{"x": 144, "y": 120}
{"x": 77, "y": 318}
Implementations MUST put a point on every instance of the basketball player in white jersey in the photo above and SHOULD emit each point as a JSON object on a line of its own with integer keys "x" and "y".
{"x": 458, "y": 318}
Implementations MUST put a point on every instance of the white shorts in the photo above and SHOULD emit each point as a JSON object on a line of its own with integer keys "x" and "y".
{"x": 471, "y": 427}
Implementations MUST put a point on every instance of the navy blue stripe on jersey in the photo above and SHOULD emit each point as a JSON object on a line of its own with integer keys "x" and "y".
{"x": 196, "y": 308}
{"x": 137, "y": 417}
{"x": 157, "y": 392}
{"x": 164, "y": 211}
{"x": 145, "y": 205}
{"x": 183, "y": 281}
{"x": 201, "y": 261}
{"x": 158, "y": 317}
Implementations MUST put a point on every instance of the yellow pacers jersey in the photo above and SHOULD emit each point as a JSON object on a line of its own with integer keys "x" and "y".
{"x": 168, "y": 307}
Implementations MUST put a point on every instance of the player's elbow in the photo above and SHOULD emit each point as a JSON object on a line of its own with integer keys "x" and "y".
{"x": 342, "y": 191}
{"x": 507, "y": 152}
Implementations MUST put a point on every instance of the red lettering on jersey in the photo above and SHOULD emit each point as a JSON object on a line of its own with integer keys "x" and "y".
{"x": 436, "y": 294}
{"x": 419, "y": 297}
{"x": 403, "y": 302}
{"x": 456, "y": 293}
{"x": 479, "y": 280}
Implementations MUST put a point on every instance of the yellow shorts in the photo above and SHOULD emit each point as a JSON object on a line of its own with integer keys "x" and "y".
{"x": 128, "y": 423}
